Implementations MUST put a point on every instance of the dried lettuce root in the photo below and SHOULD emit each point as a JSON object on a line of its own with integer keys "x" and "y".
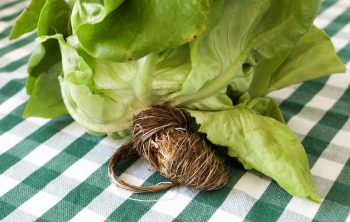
{"x": 162, "y": 135}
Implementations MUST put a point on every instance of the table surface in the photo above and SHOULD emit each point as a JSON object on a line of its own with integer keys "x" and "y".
{"x": 53, "y": 170}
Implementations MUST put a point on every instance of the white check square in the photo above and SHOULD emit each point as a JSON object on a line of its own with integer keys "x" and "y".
{"x": 39, "y": 203}
{"x": 326, "y": 169}
{"x": 252, "y": 184}
{"x": 304, "y": 207}
{"x": 81, "y": 169}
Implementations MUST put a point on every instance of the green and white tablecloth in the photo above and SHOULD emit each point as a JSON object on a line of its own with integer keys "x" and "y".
{"x": 52, "y": 170}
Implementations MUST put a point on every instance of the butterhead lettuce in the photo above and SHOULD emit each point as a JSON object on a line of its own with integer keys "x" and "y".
{"x": 104, "y": 61}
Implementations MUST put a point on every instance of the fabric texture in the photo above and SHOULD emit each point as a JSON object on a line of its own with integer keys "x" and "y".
{"x": 52, "y": 170}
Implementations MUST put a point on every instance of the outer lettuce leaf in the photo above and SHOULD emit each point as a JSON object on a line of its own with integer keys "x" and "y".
{"x": 103, "y": 95}
{"x": 132, "y": 30}
{"x": 264, "y": 106}
{"x": 44, "y": 15}
{"x": 263, "y": 144}
{"x": 36, "y": 57}
{"x": 93, "y": 12}
{"x": 28, "y": 19}
{"x": 54, "y": 18}
{"x": 212, "y": 54}
{"x": 249, "y": 32}
{"x": 41, "y": 60}
{"x": 314, "y": 56}
{"x": 263, "y": 72}
{"x": 44, "y": 67}
{"x": 45, "y": 99}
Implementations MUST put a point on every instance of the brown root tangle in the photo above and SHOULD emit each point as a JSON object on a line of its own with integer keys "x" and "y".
{"x": 162, "y": 136}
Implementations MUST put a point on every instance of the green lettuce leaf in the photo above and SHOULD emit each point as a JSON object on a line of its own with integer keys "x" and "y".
{"x": 263, "y": 72}
{"x": 28, "y": 19}
{"x": 44, "y": 67}
{"x": 131, "y": 30}
{"x": 263, "y": 144}
{"x": 34, "y": 63}
{"x": 249, "y": 32}
{"x": 219, "y": 101}
{"x": 46, "y": 100}
{"x": 45, "y": 96}
{"x": 49, "y": 16}
{"x": 264, "y": 106}
{"x": 314, "y": 56}
{"x": 54, "y": 18}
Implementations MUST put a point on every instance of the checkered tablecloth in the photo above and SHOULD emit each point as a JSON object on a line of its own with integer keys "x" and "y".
{"x": 52, "y": 170}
